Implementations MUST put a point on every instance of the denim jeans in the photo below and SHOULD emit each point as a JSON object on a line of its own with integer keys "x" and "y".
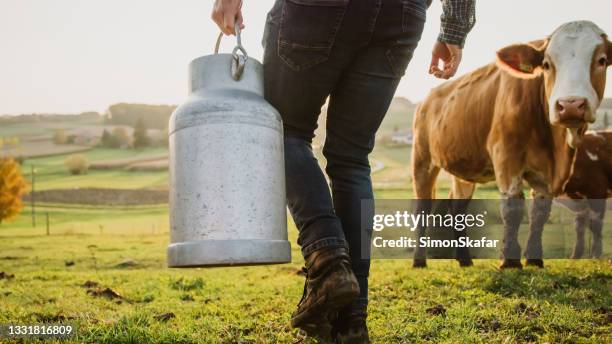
{"x": 353, "y": 52}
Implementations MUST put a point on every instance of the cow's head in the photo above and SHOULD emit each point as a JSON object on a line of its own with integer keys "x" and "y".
{"x": 573, "y": 62}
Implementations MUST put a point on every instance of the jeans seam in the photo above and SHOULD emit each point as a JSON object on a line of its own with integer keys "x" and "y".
{"x": 372, "y": 27}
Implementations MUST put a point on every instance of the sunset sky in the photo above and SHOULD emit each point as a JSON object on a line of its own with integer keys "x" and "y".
{"x": 68, "y": 56}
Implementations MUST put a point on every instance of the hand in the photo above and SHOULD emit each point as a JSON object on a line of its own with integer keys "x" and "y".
{"x": 450, "y": 54}
{"x": 226, "y": 13}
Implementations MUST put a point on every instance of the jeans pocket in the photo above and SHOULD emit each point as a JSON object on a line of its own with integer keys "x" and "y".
{"x": 413, "y": 10}
{"x": 307, "y": 31}
{"x": 399, "y": 55}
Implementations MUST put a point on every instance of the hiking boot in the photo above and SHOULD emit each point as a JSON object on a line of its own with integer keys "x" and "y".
{"x": 351, "y": 328}
{"x": 330, "y": 285}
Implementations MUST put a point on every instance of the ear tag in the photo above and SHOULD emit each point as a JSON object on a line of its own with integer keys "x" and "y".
{"x": 526, "y": 68}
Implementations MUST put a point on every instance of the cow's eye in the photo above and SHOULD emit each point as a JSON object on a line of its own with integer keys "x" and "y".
{"x": 603, "y": 61}
{"x": 546, "y": 65}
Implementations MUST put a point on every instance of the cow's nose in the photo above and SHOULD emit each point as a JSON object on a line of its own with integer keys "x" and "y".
{"x": 571, "y": 109}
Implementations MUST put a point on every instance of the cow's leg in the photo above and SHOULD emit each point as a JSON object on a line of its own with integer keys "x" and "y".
{"x": 512, "y": 208}
{"x": 580, "y": 221}
{"x": 598, "y": 210}
{"x": 508, "y": 157}
{"x": 424, "y": 180}
{"x": 539, "y": 213}
{"x": 461, "y": 194}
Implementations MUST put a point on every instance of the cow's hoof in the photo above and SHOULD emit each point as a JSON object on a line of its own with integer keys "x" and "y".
{"x": 511, "y": 264}
{"x": 535, "y": 262}
{"x": 464, "y": 263}
{"x": 419, "y": 263}
{"x": 596, "y": 251}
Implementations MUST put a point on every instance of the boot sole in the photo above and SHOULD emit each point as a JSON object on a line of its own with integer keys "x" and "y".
{"x": 316, "y": 317}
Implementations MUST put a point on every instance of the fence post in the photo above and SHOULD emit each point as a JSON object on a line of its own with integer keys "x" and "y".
{"x": 47, "y": 219}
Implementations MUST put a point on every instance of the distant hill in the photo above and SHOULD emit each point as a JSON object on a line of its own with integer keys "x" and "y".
{"x": 155, "y": 116}
{"x": 51, "y": 118}
{"x": 398, "y": 119}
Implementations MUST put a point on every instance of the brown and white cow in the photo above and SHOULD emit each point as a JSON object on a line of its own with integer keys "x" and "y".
{"x": 588, "y": 188}
{"x": 515, "y": 120}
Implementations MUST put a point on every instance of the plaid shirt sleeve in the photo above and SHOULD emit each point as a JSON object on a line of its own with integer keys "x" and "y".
{"x": 458, "y": 18}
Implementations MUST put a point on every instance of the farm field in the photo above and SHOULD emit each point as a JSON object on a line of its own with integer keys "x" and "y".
{"x": 64, "y": 278}
{"x": 102, "y": 267}
{"x": 51, "y": 172}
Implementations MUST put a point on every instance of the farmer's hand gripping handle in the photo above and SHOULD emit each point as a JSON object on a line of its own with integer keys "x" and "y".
{"x": 238, "y": 60}
{"x": 228, "y": 13}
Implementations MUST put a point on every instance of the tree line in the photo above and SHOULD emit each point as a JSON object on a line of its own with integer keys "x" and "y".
{"x": 154, "y": 116}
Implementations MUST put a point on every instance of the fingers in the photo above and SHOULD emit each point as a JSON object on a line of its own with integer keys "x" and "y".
{"x": 450, "y": 69}
{"x": 434, "y": 68}
{"x": 229, "y": 20}
{"x": 217, "y": 17}
{"x": 226, "y": 13}
{"x": 240, "y": 20}
{"x": 451, "y": 58}
{"x": 439, "y": 53}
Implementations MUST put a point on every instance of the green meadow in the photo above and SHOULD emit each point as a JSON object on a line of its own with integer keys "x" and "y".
{"x": 102, "y": 268}
{"x": 113, "y": 285}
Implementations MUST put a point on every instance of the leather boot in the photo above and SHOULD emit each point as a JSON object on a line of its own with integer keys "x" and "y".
{"x": 330, "y": 285}
{"x": 351, "y": 328}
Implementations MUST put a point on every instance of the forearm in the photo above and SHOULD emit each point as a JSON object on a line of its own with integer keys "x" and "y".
{"x": 458, "y": 18}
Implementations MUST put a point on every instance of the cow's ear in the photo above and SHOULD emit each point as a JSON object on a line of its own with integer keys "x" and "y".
{"x": 523, "y": 60}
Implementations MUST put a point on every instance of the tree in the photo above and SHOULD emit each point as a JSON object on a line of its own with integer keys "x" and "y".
{"x": 77, "y": 164}
{"x": 106, "y": 138}
{"x": 12, "y": 188}
{"x": 155, "y": 116}
{"x": 141, "y": 139}
{"x": 60, "y": 137}
{"x": 121, "y": 136}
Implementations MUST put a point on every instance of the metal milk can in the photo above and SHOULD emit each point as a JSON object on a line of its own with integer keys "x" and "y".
{"x": 227, "y": 179}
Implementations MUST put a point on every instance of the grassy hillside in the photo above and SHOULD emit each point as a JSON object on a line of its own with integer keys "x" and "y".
{"x": 399, "y": 117}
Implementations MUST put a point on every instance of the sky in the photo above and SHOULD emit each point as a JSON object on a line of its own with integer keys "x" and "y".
{"x": 70, "y": 56}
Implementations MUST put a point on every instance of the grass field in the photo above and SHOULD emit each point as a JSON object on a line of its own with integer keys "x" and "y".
{"x": 63, "y": 277}
{"x": 52, "y": 174}
{"x": 568, "y": 302}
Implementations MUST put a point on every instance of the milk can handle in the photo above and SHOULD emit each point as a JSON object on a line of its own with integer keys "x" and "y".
{"x": 238, "y": 61}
